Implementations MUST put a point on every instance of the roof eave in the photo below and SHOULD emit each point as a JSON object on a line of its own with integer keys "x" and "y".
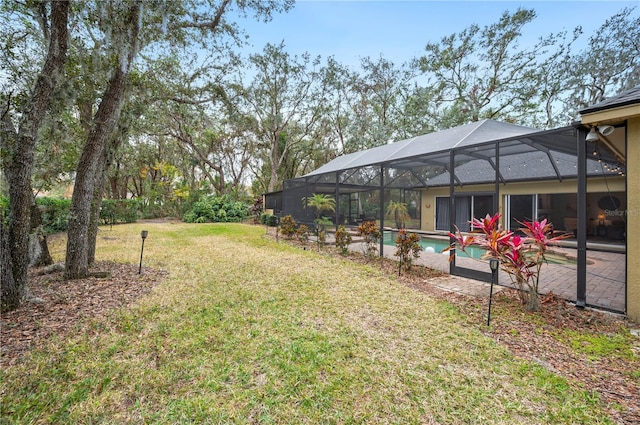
{"x": 609, "y": 115}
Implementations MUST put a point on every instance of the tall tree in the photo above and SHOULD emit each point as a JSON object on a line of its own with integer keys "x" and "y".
{"x": 91, "y": 165}
{"x": 337, "y": 116}
{"x": 18, "y": 144}
{"x": 283, "y": 103}
{"x": 167, "y": 27}
{"x": 484, "y": 73}
{"x": 608, "y": 65}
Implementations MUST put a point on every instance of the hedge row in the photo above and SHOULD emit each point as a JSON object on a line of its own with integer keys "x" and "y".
{"x": 55, "y": 212}
{"x": 215, "y": 209}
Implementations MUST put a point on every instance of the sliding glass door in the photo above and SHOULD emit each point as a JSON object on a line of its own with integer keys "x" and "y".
{"x": 467, "y": 207}
{"x": 520, "y": 208}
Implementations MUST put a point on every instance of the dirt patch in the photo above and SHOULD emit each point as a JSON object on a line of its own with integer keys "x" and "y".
{"x": 56, "y": 307}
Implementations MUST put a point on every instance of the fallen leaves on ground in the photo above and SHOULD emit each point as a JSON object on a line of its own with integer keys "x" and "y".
{"x": 55, "y": 306}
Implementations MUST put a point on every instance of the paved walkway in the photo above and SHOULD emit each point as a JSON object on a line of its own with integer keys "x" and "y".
{"x": 605, "y": 276}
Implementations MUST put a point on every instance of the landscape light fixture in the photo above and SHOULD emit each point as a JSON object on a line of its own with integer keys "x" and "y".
{"x": 494, "y": 265}
{"x": 143, "y": 235}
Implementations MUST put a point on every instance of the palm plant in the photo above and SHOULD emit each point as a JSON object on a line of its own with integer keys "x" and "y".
{"x": 320, "y": 202}
{"x": 398, "y": 212}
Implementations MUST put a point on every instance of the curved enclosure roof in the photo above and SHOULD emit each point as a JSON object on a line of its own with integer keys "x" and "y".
{"x": 441, "y": 141}
{"x": 477, "y": 150}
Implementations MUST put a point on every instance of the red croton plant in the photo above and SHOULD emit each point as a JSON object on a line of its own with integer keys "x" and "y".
{"x": 520, "y": 256}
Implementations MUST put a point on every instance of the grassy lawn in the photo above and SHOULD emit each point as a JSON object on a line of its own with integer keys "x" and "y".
{"x": 245, "y": 330}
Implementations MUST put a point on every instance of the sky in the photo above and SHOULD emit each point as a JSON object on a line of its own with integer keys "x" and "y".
{"x": 398, "y": 30}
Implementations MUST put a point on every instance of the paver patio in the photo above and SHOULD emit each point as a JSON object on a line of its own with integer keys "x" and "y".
{"x": 605, "y": 275}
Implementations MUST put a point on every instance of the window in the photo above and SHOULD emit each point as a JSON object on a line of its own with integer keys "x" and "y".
{"x": 520, "y": 208}
{"x": 480, "y": 205}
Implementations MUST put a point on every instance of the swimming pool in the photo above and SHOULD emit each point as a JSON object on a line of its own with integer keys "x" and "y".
{"x": 437, "y": 245}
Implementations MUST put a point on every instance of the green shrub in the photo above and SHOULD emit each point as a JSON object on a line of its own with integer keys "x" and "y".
{"x": 273, "y": 220}
{"x": 115, "y": 211}
{"x": 54, "y": 213}
{"x": 214, "y": 209}
{"x": 343, "y": 239}
{"x": 407, "y": 246}
{"x": 288, "y": 226}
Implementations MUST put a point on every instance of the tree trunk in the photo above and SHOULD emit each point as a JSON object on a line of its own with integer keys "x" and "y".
{"x": 533, "y": 303}
{"x": 275, "y": 156}
{"x": 43, "y": 257}
{"x": 38, "y": 248}
{"x": 10, "y": 291}
{"x": 20, "y": 146}
{"x": 104, "y": 125}
{"x": 95, "y": 207}
{"x": 78, "y": 239}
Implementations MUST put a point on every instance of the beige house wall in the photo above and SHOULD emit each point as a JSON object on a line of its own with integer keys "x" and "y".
{"x": 595, "y": 185}
{"x": 633, "y": 219}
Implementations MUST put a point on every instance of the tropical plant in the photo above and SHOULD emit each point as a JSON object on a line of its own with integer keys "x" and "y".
{"x": 320, "y": 202}
{"x": 321, "y": 232}
{"x": 520, "y": 257}
{"x": 398, "y": 212}
{"x": 407, "y": 248}
{"x": 216, "y": 209}
{"x": 343, "y": 239}
{"x": 256, "y": 209}
{"x": 288, "y": 226}
{"x": 371, "y": 234}
{"x": 303, "y": 233}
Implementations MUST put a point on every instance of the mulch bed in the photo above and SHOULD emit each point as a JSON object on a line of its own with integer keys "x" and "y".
{"x": 59, "y": 307}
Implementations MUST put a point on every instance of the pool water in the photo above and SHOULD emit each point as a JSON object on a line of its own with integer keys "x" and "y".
{"x": 438, "y": 245}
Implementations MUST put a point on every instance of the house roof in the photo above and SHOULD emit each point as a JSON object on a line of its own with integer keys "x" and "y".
{"x": 442, "y": 141}
{"x": 629, "y": 97}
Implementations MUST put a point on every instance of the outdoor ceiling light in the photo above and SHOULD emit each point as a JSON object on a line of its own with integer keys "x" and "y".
{"x": 606, "y": 130}
{"x": 592, "y": 136}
